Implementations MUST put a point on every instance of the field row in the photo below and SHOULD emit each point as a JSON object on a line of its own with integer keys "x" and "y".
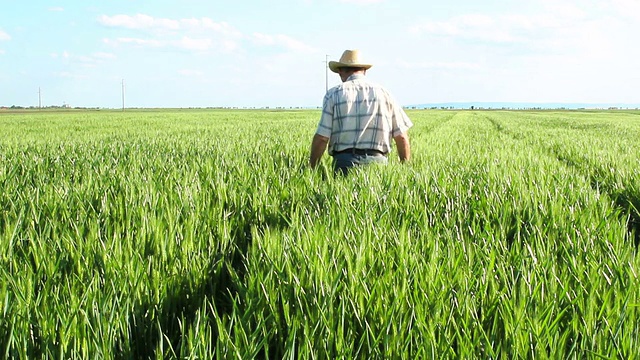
{"x": 204, "y": 234}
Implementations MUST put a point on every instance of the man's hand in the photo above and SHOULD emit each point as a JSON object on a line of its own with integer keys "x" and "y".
{"x": 404, "y": 147}
{"x": 318, "y": 146}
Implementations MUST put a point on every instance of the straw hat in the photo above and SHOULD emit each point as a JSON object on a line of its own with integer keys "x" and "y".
{"x": 349, "y": 58}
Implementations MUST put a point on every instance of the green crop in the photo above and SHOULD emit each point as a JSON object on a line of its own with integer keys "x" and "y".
{"x": 204, "y": 234}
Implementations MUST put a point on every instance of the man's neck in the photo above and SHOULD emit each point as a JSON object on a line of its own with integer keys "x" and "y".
{"x": 355, "y": 75}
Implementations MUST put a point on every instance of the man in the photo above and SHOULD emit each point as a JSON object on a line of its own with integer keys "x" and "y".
{"x": 359, "y": 119}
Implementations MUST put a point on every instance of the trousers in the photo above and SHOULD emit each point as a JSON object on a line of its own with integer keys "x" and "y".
{"x": 342, "y": 162}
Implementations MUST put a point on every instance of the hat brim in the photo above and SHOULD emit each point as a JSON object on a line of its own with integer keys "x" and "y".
{"x": 336, "y": 65}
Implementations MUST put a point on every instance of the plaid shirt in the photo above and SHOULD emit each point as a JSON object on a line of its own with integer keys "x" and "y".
{"x": 359, "y": 114}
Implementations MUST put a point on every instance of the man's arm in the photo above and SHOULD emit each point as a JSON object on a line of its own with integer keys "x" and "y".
{"x": 318, "y": 146}
{"x": 404, "y": 147}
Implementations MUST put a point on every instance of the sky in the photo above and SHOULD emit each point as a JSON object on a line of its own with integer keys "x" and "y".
{"x": 254, "y": 53}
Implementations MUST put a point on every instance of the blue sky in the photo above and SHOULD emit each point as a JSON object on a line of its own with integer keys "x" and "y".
{"x": 197, "y": 53}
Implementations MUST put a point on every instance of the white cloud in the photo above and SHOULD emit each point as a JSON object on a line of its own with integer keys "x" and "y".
{"x": 190, "y": 73}
{"x": 188, "y": 43}
{"x": 281, "y": 40}
{"x": 513, "y": 27}
{"x": 103, "y": 56}
{"x": 136, "y": 41}
{"x": 475, "y": 27}
{"x": 560, "y": 26}
{"x": 221, "y": 27}
{"x": 263, "y": 39}
{"x": 293, "y": 44}
{"x": 185, "y": 43}
{"x": 627, "y": 5}
{"x": 2, "y": 52}
{"x": 189, "y": 34}
{"x": 146, "y": 22}
{"x": 86, "y": 61}
{"x": 4, "y": 36}
{"x": 69, "y": 75}
{"x": 229, "y": 46}
{"x": 361, "y": 2}
{"x": 138, "y": 21}
{"x": 56, "y": 9}
{"x": 193, "y": 34}
{"x": 92, "y": 60}
{"x": 454, "y": 65}
{"x": 627, "y": 8}
{"x": 582, "y": 47}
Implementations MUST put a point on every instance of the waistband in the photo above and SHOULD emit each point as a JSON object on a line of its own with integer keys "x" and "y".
{"x": 360, "y": 152}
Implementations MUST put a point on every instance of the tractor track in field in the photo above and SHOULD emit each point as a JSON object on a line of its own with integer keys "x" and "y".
{"x": 501, "y": 129}
{"x": 435, "y": 126}
{"x": 625, "y": 200}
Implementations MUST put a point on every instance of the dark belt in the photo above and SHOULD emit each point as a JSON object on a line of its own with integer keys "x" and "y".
{"x": 360, "y": 152}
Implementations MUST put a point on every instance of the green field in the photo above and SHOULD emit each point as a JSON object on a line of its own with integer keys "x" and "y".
{"x": 203, "y": 234}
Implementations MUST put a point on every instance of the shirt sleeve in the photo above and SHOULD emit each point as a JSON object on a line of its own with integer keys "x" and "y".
{"x": 325, "y": 126}
{"x": 400, "y": 120}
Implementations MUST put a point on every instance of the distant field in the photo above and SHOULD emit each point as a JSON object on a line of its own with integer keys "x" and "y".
{"x": 203, "y": 234}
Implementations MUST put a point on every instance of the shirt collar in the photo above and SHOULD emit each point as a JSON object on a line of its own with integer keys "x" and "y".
{"x": 355, "y": 77}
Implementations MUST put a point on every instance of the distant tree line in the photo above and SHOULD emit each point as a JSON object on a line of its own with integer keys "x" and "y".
{"x": 18, "y": 107}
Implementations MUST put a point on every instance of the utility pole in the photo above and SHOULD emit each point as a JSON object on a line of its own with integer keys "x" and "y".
{"x": 39, "y": 98}
{"x": 122, "y": 94}
{"x": 326, "y": 72}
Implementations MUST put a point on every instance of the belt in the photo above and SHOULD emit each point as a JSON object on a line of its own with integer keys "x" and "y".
{"x": 360, "y": 152}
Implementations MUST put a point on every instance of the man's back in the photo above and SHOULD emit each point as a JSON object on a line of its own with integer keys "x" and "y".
{"x": 361, "y": 114}
{"x": 359, "y": 119}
